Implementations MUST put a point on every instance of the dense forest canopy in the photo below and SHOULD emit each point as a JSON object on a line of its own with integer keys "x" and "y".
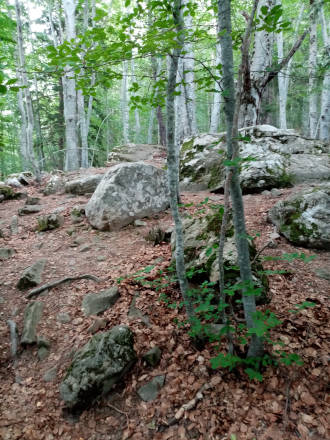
{"x": 80, "y": 77}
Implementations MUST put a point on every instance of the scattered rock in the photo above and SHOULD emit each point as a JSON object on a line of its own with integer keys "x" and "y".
{"x": 63, "y": 317}
{"x": 85, "y": 248}
{"x": 32, "y": 200}
{"x": 135, "y": 153}
{"x": 55, "y": 185}
{"x": 29, "y": 209}
{"x": 77, "y": 214}
{"x": 70, "y": 231}
{"x": 98, "y": 324}
{"x": 97, "y": 303}
{"x": 101, "y": 258}
{"x": 83, "y": 185}
{"x": 6, "y": 192}
{"x": 32, "y": 317}
{"x": 50, "y": 222}
{"x": 43, "y": 347}
{"x": 323, "y": 272}
{"x": 98, "y": 366}
{"x": 152, "y": 357}
{"x": 6, "y": 253}
{"x": 150, "y": 390}
{"x": 135, "y": 313}
{"x": 50, "y": 374}
{"x": 31, "y": 276}
{"x": 139, "y": 222}
{"x": 157, "y": 235}
{"x": 14, "y": 225}
{"x": 127, "y": 192}
{"x": 275, "y": 192}
{"x": 304, "y": 217}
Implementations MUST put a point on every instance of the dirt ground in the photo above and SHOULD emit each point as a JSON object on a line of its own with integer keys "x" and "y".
{"x": 290, "y": 403}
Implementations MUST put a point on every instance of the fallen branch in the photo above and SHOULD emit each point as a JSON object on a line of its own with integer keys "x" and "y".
{"x": 13, "y": 337}
{"x": 52, "y": 284}
{"x": 189, "y": 405}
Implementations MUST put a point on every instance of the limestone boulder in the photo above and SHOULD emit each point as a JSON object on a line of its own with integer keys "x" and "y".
{"x": 83, "y": 185}
{"x": 97, "y": 303}
{"x": 271, "y": 158}
{"x": 32, "y": 316}
{"x": 304, "y": 217}
{"x": 135, "y": 153}
{"x": 127, "y": 192}
{"x": 98, "y": 366}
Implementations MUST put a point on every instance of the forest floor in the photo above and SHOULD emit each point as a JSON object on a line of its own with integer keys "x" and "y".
{"x": 290, "y": 403}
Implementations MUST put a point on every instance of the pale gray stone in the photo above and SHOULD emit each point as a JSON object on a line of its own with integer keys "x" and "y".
{"x": 54, "y": 185}
{"x": 50, "y": 374}
{"x": 139, "y": 223}
{"x": 14, "y": 225}
{"x": 63, "y": 317}
{"x": 127, "y": 192}
{"x": 31, "y": 276}
{"x": 152, "y": 357}
{"x": 49, "y": 222}
{"x": 29, "y": 209}
{"x": 32, "y": 316}
{"x": 97, "y": 303}
{"x": 83, "y": 185}
{"x": 98, "y": 366}
{"x": 323, "y": 272}
{"x": 150, "y": 390}
{"x": 6, "y": 253}
{"x": 135, "y": 152}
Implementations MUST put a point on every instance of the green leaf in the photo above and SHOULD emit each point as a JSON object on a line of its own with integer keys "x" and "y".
{"x": 3, "y": 89}
{"x": 253, "y": 374}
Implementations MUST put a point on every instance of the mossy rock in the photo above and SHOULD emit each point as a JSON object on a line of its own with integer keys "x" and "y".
{"x": 50, "y": 222}
{"x": 304, "y": 218}
{"x": 7, "y": 192}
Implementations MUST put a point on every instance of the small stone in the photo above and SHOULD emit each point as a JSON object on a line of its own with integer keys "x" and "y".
{"x": 50, "y": 222}
{"x": 29, "y": 209}
{"x": 77, "y": 321}
{"x": 98, "y": 324}
{"x": 266, "y": 192}
{"x": 85, "y": 248}
{"x": 32, "y": 317}
{"x": 6, "y": 253}
{"x": 14, "y": 225}
{"x": 97, "y": 303}
{"x": 43, "y": 342}
{"x": 50, "y": 374}
{"x": 139, "y": 222}
{"x": 323, "y": 272}
{"x": 101, "y": 258}
{"x": 2, "y": 300}
{"x": 31, "y": 276}
{"x": 78, "y": 240}
{"x": 32, "y": 200}
{"x": 152, "y": 357}
{"x": 276, "y": 192}
{"x": 150, "y": 390}
{"x": 63, "y": 318}
{"x": 71, "y": 231}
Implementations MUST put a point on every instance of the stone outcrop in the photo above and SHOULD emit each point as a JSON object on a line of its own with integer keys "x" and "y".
{"x": 304, "y": 217}
{"x": 83, "y": 185}
{"x": 98, "y": 366}
{"x": 280, "y": 158}
{"x": 127, "y": 192}
{"x": 135, "y": 153}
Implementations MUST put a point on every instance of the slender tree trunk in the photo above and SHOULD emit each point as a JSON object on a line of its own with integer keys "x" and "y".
{"x": 40, "y": 146}
{"x": 216, "y": 104}
{"x": 137, "y": 128}
{"x": 325, "y": 96}
{"x": 70, "y": 94}
{"x": 25, "y": 101}
{"x": 172, "y": 160}
{"x": 124, "y": 103}
{"x": 231, "y": 109}
{"x": 157, "y": 67}
{"x": 312, "y": 92}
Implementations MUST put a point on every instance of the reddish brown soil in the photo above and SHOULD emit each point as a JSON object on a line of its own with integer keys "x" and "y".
{"x": 289, "y": 404}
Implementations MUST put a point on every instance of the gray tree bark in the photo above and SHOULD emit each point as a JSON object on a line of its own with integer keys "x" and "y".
{"x": 216, "y": 104}
{"x": 325, "y": 96}
{"x": 124, "y": 103}
{"x": 70, "y": 94}
{"x": 312, "y": 83}
{"x": 231, "y": 108}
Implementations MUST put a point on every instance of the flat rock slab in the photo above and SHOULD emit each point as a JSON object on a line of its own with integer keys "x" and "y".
{"x": 29, "y": 209}
{"x": 32, "y": 316}
{"x": 31, "y": 276}
{"x": 98, "y": 366}
{"x": 6, "y": 253}
{"x": 83, "y": 185}
{"x": 127, "y": 192}
{"x": 97, "y": 303}
{"x": 150, "y": 390}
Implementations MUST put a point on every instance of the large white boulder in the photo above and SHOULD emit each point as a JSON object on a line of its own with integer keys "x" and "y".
{"x": 128, "y": 191}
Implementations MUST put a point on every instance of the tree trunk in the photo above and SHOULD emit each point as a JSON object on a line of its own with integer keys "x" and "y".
{"x": 124, "y": 103}
{"x": 172, "y": 161}
{"x": 136, "y": 110}
{"x": 312, "y": 61}
{"x": 25, "y": 102}
{"x": 70, "y": 94}
{"x": 231, "y": 109}
{"x": 216, "y": 104}
{"x": 325, "y": 96}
